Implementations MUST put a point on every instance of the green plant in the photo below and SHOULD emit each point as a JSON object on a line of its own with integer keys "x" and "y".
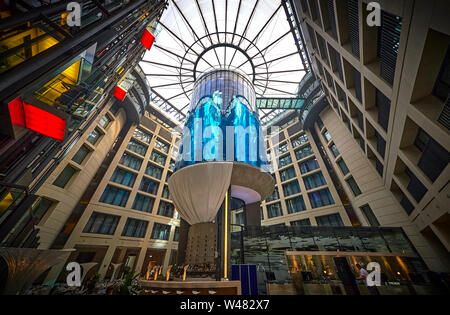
{"x": 129, "y": 284}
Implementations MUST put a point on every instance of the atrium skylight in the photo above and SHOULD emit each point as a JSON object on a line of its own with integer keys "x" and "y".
{"x": 194, "y": 37}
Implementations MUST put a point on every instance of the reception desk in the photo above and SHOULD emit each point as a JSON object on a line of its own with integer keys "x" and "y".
{"x": 200, "y": 287}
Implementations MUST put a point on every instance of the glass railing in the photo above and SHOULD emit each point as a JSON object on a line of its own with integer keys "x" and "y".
{"x": 10, "y": 198}
{"x": 77, "y": 94}
{"x": 27, "y": 39}
{"x": 23, "y": 45}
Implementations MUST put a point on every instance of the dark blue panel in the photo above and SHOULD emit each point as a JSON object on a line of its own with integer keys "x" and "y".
{"x": 253, "y": 280}
{"x": 245, "y": 280}
{"x": 235, "y": 272}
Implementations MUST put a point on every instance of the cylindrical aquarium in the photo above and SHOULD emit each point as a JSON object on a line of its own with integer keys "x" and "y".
{"x": 222, "y": 123}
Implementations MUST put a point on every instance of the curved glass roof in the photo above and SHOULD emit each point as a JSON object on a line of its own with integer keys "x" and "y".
{"x": 196, "y": 36}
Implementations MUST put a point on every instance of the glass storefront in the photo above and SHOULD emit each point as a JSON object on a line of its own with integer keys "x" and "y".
{"x": 322, "y": 260}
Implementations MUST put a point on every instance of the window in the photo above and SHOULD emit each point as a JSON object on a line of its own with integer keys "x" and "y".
{"x": 149, "y": 186}
{"x": 261, "y": 212}
{"x": 320, "y": 198}
{"x": 406, "y": 204}
{"x": 314, "y": 180}
{"x": 415, "y": 187}
{"x": 299, "y": 140}
{"x": 302, "y": 222}
{"x": 100, "y": 223}
{"x": 357, "y": 81}
{"x": 64, "y": 176}
{"x": 309, "y": 165}
{"x": 158, "y": 158}
{"x": 353, "y": 186}
{"x": 166, "y": 209}
{"x": 343, "y": 166}
{"x": 370, "y": 216}
{"x": 172, "y": 165}
{"x": 285, "y": 160}
{"x": 162, "y": 146}
{"x": 41, "y": 207}
{"x": 94, "y": 136}
{"x": 123, "y": 177}
{"x": 379, "y": 167}
{"x": 384, "y": 107}
{"x": 143, "y": 203}
{"x": 442, "y": 85}
{"x": 327, "y": 136}
{"x": 381, "y": 144}
{"x": 291, "y": 188}
{"x": 104, "y": 122}
{"x": 176, "y": 235}
{"x": 330, "y": 220}
{"x": 81, "y": 154}
{"x": 388, "y": 44}
{"x": 274, "y": 210}
{"x": 334, "y": 150}
{"x": 360, "y": 118}
{"x": 287, "y": 174}
{"x": 165, "y": 192}
{"x": 160, "y": 231}
{"x": 115, "y": 196}
{"x": 295, "y": 204}
{"x": 362, "y": 144}
{"x": 153, "y": 171}
{"x": 303, "y": 152}
{"x": 114, "y": 108}
{"x": 131, "y": 161}
{"x": 168, "y": 176}
{"x": 135, "y": 228}
{"x": 434, "y": 157}
{"x": 353, "y": 25}
{"x": 274, "y": 196}
{"x": 319, "y": 123}
{"x": 283, "y": 148}
{"x": 142, "y": 135}
{"x": 137, "y": 147}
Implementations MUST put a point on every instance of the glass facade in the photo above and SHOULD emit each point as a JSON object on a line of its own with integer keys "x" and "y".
{"x": 266, "y": 247}
{"x": 131, "y": 161}
{"x": 143, "y": 203}
{"x": 115, "y": 196}
{"x": 123, "y": 177}
{"x": 137, "y": 147}
{"x": 161, "y": 231}
{"x": 303, "y": 152}
{"x": 314, "y": 180}
{"x": 149, "y": 186}
{"x": 295, "y": 204}
{"x": 135, "y": 228}
{"x": 309, "y": 165}
{"x": 101, "y": 223}
{"x": 320, "y": 198}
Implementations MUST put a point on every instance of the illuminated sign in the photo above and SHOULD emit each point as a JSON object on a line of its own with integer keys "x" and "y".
{"x": 147, "y": 39}
{"x": 123, "y": 86}
{"x": 16, "y": 112}
{"x": 37, "y": 119}
{"x": 119, "y": 93}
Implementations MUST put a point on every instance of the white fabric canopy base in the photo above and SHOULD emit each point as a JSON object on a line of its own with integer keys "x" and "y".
{"x": 198, "y": 190}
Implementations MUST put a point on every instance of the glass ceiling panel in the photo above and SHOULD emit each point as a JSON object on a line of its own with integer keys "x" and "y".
{"x": 198, "y": 36}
